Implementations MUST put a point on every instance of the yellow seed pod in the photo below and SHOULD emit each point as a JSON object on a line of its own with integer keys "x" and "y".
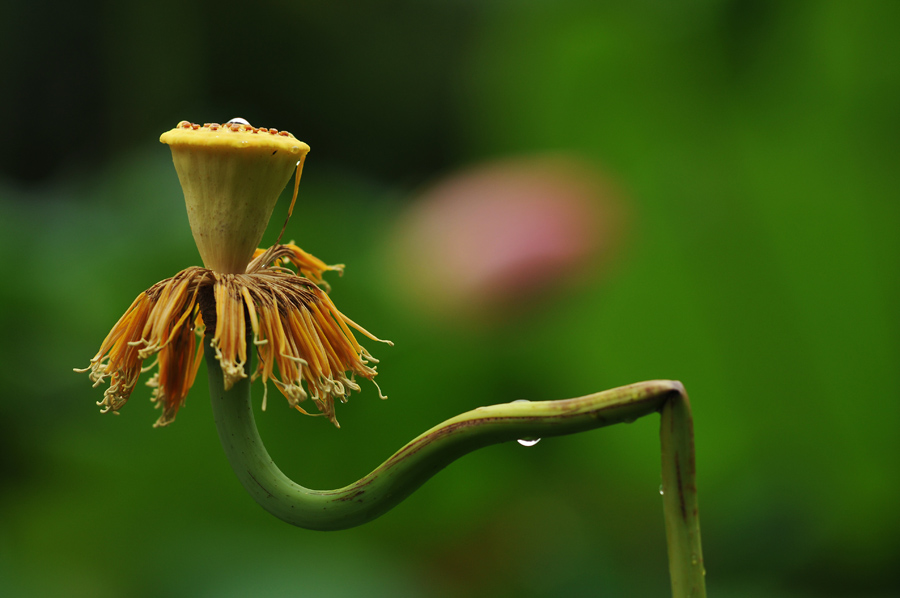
{"x": 231, "y": 175}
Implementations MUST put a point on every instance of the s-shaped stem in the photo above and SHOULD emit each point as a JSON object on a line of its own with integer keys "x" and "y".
{"x": 411, "y": 466}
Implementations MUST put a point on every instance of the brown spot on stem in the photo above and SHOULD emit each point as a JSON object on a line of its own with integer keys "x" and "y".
{"x": 266, "y": 490}
{"x": 358, "y": 492}
{"x": 680, "y": 488}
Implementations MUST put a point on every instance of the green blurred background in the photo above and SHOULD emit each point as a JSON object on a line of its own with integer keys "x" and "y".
{"x": 755, "y": 148}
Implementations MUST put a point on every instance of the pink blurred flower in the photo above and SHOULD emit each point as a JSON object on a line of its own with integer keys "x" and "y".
{"x": 498, "y": 236}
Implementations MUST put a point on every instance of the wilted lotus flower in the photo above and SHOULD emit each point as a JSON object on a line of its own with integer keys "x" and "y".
{"x": 501, "y": 233}
{"x": 232, "y": 175}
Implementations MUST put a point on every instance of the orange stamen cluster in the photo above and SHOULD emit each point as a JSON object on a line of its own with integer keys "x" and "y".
{"x": 162, "y": 321}
{"x": 306, "y": 263}
{"x": 296, "y": 328}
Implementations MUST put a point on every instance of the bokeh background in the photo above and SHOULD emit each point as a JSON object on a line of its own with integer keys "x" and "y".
{"x": 535, "y": 200}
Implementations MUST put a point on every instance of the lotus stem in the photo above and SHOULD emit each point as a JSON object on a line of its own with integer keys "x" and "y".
{"x": 411, "y": 466}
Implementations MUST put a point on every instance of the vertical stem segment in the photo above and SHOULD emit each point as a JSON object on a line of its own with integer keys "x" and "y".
{"x": 411, "y": 466}
{"x": 680, "y": 498}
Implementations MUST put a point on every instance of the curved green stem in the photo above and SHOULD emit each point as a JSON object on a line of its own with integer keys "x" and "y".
{"x": 424, "y": 456}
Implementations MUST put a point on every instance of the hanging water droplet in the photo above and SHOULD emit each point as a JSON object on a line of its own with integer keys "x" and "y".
{"x": 238, "y": 121}
{"x": 661, "y": 492}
